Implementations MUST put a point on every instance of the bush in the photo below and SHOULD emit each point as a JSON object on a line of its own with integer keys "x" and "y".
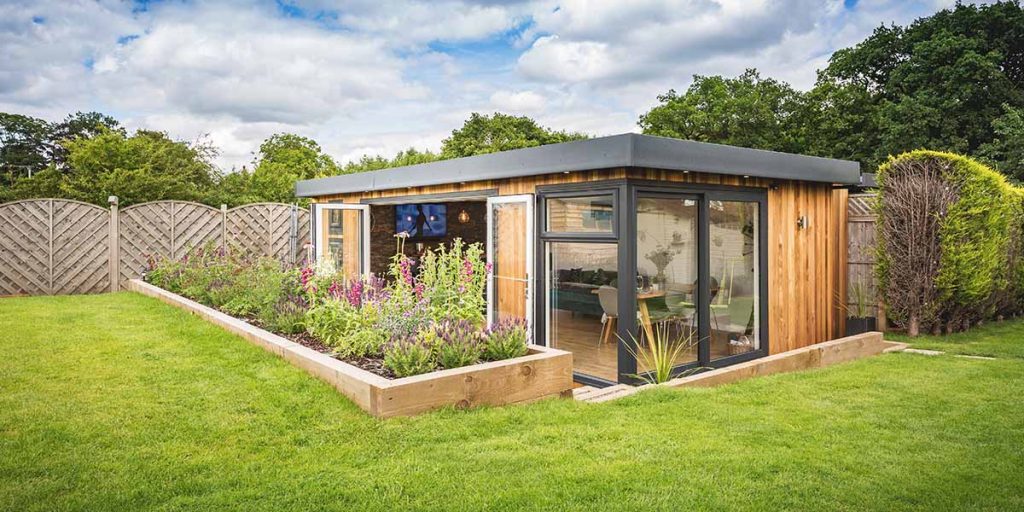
{"x": 459, "y": 343}
{"x": 415, "y": 322}
{"x": 287, "y": 315}
{"x": 409, "y": 356}
{"x": 948, "y": 242}
{"x": 452, "y": 283}
{"x": 505, "y": 340}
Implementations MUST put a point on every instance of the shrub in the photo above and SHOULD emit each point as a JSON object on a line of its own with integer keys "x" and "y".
{"x": 331, "y": 321}
{"x": 452, "y": 282}
{"x": 458, "y": 343}
{"x": 368, "y": 341}
{"x": 407, "y": 357}
{"x": 286, "y": 316}
{"x": 505, "y": 340}
{"x": 948, "y": 241}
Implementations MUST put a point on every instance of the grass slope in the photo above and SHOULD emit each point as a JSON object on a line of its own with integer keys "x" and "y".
{"x": 993, "y": 339}
{"x": 118, "y": 402}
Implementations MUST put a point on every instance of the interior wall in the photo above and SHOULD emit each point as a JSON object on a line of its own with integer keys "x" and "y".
{"x": 382, "y": 232}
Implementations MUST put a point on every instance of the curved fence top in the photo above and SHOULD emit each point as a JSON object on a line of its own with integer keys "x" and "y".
{"x": 53, "y": 245}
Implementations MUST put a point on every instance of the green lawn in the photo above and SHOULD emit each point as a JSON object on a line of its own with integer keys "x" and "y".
{"x": 118, "y": 402}
{"x": 993, "y": 339}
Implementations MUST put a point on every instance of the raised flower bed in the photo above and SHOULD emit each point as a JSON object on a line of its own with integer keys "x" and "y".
{"x": 402, "y": 347}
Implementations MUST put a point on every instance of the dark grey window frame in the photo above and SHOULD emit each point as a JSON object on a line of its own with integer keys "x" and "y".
{"x": 625, "y": 193}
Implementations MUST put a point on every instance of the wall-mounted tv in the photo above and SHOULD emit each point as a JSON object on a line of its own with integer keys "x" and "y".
{"x": 422, "y": 220}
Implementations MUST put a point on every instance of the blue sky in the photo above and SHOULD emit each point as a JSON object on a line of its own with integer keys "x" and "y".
{"x": 369, "y": 77}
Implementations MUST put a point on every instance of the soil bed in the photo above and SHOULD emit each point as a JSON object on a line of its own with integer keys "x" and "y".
{"x": 373, "y": 365}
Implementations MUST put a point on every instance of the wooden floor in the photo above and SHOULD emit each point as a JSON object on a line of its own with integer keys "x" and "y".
{"x": 581, "y": 335}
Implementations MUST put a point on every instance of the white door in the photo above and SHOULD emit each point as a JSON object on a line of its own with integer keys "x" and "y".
{"x": 341, "y": 237}
{"x": 510, "y": 255}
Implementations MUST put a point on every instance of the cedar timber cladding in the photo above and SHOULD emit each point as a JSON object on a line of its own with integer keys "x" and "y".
{"x": 805, "y": 265}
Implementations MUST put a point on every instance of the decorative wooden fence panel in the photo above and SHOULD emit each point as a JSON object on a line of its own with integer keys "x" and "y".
{"x": 268, "y": 228}
{"x": 57, "y": 246}
{"x": 860, "y": 259}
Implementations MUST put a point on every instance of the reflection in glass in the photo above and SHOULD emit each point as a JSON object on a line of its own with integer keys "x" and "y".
{"x": 666, "y": 248}
{"x": 583, "y": 304}
{"x": 734, "y": 282}
{"x": 341, "y": 246}
{"x": 589, "y": 214}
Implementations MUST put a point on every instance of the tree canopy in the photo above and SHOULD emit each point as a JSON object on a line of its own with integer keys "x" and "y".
{"x": 747, "y": 111}
{"x": 482, "y": 134}
{"x": 953, "y": 81}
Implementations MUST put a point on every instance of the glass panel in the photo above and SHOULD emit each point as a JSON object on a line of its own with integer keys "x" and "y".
{"x": 583, "y": 304}
{"x": 341, "y": 244}
{"x": 666, "y": 249}
{"x": 509, "y": 275}
{"x": 734, "y": 284}
{"x": 589, "y": 214}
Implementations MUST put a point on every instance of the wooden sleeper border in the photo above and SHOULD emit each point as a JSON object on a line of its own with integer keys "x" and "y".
{"x": 543, "y": 372}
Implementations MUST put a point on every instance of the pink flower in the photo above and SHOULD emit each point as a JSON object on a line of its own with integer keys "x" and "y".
{"x": 335, "y": 290}
{"x": 355, "y": 293}
{"x": 405, "y": 267}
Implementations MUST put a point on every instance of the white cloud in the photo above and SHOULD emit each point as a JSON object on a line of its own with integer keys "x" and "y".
{"x": 378, "y": 76}
{"x": 518, "y": 102}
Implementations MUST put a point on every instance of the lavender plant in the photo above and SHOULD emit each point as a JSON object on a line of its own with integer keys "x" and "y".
{"x": 505, "y": 340}
{"x": 408, "y": 356}
{"x": 459, "y": 343}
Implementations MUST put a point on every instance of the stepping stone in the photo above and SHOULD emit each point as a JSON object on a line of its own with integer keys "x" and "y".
{"x": 924, "y": 352}
{"x": 614, "y": 396}
{"x": 579, "y": 392}
{"x": 598, "y": 393}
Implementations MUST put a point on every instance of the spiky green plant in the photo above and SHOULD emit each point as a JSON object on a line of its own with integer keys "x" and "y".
{"x": 660, "y": 352}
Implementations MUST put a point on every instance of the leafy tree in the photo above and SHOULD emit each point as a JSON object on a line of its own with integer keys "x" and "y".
{"x": 939, "y": 83}
{"x": 747, "y": 111}
{"x": 23, "y": 147}
{"x": 76, "y": 126}
{"x": 1006, "y": 150}
{"x": 411, "y": 156}
{"x": 482, "y": 134}
{"x": 29, "y": 146}
{"x": 146, "y": 166}
{"x": 283, "y": 159}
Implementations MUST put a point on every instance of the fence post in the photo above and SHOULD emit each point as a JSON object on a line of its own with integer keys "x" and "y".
{"x": 293, "y": 234}
{"x": 224, "y": 227}
{"x": 114, "y": 245}
{"x": 49, "y": 285}
{"x": 880, "y": 317}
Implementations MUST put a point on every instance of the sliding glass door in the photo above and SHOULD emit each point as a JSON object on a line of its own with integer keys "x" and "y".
{"x": 667, "y": 257}
{"x": 624, "y": 263}
{"x": 700, "y": 258}
{"x": 734, "y": 292}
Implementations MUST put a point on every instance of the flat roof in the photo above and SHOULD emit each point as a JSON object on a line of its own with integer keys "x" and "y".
{"x": 626, "y": 150}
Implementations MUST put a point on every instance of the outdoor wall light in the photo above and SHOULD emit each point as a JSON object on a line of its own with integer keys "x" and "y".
{"x": 802, "y": 222}
{"x": 463, "y": 216}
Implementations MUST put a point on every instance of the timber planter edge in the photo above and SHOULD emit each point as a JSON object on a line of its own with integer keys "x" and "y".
{"x": 543, "y": 372}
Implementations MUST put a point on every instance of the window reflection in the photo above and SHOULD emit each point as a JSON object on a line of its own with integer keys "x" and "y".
{"x": 667, "y": 249}
{"x": 734, "y": 281}
{"x": 587, "y": 214}
{"x": 583, "y": 305}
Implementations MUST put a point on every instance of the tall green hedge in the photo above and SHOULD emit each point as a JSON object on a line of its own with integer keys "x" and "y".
{"x": 950, "y": 248}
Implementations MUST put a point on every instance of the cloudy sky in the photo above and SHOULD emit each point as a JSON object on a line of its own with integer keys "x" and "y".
{"x": 377, "y": 76}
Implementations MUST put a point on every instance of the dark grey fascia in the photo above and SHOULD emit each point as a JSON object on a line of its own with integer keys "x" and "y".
{"x": 626, "y": 150}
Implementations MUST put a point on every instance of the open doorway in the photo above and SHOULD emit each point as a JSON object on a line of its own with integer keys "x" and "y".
{"x": 430, "y": 224}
